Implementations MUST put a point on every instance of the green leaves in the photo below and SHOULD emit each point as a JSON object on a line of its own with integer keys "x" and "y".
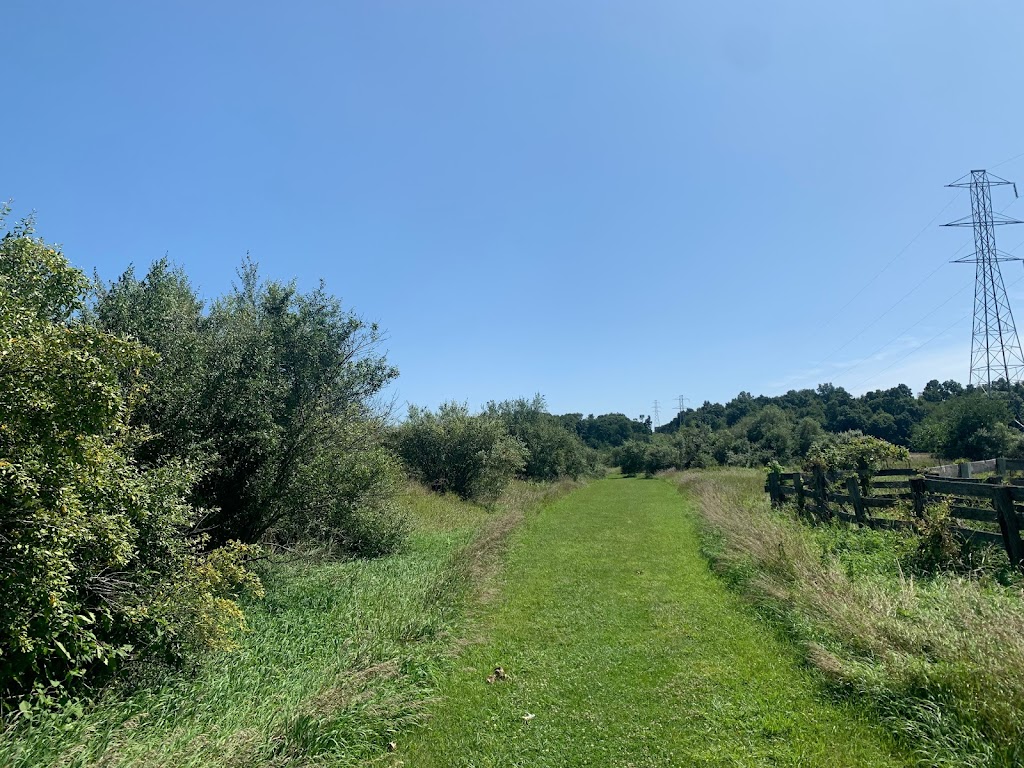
{"x": 854, "y": 452}
{"x": 453, "y": 451}
{"x": 270, "y": 392}
{"x": 89, "y": 539}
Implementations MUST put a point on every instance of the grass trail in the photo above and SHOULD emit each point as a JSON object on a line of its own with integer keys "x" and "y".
{"x": 629, "y": 652}
{"x": 339, "y": 658}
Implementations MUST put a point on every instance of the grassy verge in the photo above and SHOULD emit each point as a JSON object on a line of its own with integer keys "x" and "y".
{"x": 338, "y": 659}
{"x": 940, "y": 658}
{"x": 620, "y": 647}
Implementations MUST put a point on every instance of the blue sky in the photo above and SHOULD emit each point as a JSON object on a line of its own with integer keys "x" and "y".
{"x": 605, "y": 202}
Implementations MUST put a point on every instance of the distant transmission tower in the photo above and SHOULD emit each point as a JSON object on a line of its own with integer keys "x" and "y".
{"x": 995, "y": 348}
{"x": 657, "y": 415}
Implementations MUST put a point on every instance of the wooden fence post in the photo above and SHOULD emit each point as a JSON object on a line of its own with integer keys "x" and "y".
{"x": 853, "y": 488}
{"x": 917, "y": 489}
{"x": 1001, "y": 466}
{"x": 964, "y": 471}
{"x": 821, "y": 494}
{"x": 798, "y": 486}
{"x": 1002, "y": 500}
{"x": 774, "y": 488}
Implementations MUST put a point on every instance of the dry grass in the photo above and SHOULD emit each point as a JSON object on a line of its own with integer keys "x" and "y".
{"x": 941, "y": 658}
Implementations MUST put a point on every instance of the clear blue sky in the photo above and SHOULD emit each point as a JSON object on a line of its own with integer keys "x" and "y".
{"x": 606, "y": 202}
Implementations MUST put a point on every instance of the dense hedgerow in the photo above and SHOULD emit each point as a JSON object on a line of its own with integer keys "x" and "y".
{"x": 454, "y": 451}
{"x": 96, "y": 567}
{"x": 270, "y": 390}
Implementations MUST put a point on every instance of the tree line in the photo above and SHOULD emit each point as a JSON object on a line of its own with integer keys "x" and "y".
{"x": 947, "y": 419}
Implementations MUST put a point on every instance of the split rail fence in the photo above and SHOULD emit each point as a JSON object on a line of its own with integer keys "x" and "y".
{"x": 882, "y": 500}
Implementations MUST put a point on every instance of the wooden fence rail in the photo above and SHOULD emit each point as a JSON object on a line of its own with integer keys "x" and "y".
{"x": 891, "y": 503}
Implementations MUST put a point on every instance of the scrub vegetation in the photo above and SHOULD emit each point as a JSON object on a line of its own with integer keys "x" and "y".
{"x": 192, "y": 490}
{"x": 338, "y": 659}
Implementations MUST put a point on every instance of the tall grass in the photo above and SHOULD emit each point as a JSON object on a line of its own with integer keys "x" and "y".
{"x": 940, "y": 658}
{"x": 339, "y": 658}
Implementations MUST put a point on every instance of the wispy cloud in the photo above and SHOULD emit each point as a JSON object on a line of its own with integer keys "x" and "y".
{"x": 950, "y": 362}
{"x": 911, "y": 360}
{"x": 845, "y": 369}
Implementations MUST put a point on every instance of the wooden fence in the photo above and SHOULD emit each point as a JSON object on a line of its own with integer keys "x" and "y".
{"x": 892, "y": 497}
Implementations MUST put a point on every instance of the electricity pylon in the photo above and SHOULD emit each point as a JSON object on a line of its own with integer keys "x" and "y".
{"x": 995, "y": 348}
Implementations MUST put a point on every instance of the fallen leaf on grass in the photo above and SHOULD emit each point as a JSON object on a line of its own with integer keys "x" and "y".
{"x": 499, "y": 674}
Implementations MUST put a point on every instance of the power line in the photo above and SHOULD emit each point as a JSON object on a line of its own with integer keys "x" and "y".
{"x": 994, "y": 343}
{"x": 924, "y": 344}
{"x": 911, "y": 352}
{"x": 902, "y": 333}
{"x": 890, "y": 262}
{"x": 917, "y": 322}
{"x": 903, "y": 298}
{"x": 1010, "y": 160}
{"x": 886, "y": 312}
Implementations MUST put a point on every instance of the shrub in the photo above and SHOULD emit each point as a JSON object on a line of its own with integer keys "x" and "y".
{"x": 659, "y": 455}
{"x": 95, "y": 566}
{"x": 854, "y": 452}
{"x": 271, "y": 392}
{"x": 453, "y": 451}
{"x": 552, "y": 450}
{"x": 630, "y": 457}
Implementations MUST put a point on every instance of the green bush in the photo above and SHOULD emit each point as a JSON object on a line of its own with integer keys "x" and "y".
{"x": 630, "y": 457}
{"x": 95, "y": 565}
{"x": 973, "y": 425}
{"x": 553, "y": 451}
{"x": 453, "y": 451}
{"x": 659, "y": 455}
{"x": 270, "y": 391}
{"x": 854, "y": 452}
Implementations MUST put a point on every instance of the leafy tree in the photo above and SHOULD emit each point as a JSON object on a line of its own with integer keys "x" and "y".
{"x": 95, "y": 567}
{"x": 696, "y": 447}
{"x": 272, "y": 391}
{"x": 807, "y": 432}
{"x": 553, "y": 451}
{"x": 855, "y": 452}
{"x": 613, "y": 429}
{"x": 770, "y": 431}
{"x": 453, "y": 451}
{"x": 631, "y": 457}
{"x": 972, "y": 426}
{"x": 660, "y": 454}
{"x": 740, "y": 406}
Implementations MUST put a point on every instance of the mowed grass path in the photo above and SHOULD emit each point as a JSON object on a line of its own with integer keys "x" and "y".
{"x": 628, "y": 651}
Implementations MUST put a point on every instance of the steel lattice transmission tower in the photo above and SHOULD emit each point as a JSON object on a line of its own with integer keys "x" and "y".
{"x": 995, "y": 349}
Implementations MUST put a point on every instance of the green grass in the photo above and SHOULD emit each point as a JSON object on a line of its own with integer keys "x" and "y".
{"x": 935, "y": 654}
{"x": 628, "y": 651}
{"x": 339, "y": 659}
